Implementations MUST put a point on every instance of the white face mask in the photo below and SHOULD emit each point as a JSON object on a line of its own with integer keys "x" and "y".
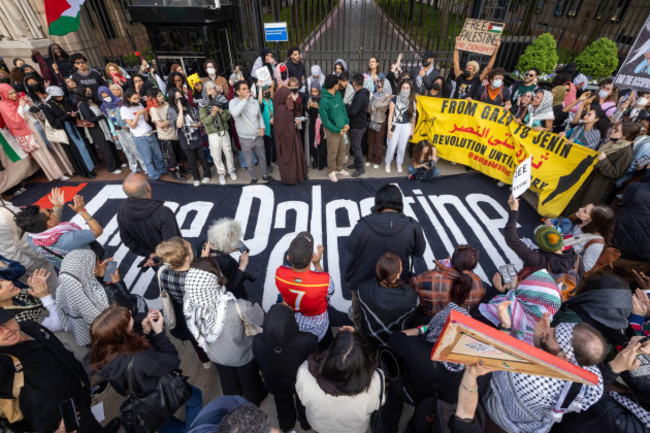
{"x": 642, "y": 102}
{"x": 107, "y": 99}
{"x": 603, "y": 94}
{"x": 211, "y": 71}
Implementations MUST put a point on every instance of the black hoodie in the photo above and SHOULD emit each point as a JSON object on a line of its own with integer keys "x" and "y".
{"x": 379, "y": 233}
{"x": 144, "y": 223}
{"x": 281, "y": 349}
{"x": 358, "y": 109}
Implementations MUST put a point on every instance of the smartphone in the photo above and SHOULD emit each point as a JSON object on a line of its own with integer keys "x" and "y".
{"x": 643, "y": 161}
{"x": 142, "y": 262}
{"x": 508, "y": 272}
{"x": 69, "y": 415}
{"x": 242, "y": 247}
{"x": 110, "y": 270}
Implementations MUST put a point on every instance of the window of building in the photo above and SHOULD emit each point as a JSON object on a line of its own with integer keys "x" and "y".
{"x": 573, "y": 8}
{"x": 620, "y": 10}
{"x": 103, "y": 18}
{"x": 559, "y": 7}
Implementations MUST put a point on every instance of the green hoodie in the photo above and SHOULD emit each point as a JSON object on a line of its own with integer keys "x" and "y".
{"x": 332, "y": 111}
{"x": 216, "y": 123}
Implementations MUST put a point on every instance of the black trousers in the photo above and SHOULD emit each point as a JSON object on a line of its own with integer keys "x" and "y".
{"x": 288, "y": 405}
{"x": 106, "y": 148}
{"x": 245, "y": 381}
{"x": 195, "y": 155}
{"x": 356, "y": 136}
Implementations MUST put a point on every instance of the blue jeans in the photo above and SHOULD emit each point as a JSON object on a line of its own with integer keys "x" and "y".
{"x": 192, "y": 408}
{"x": 414, "y": 171}
{"x": 149, "y": 150}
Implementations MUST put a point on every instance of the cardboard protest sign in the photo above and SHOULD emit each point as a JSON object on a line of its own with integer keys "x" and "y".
{"x": 264, "y": 76}
{"x": 635, "y": 71}
{"x": 522, "y": 177}
{"x": 487, "y": 138}
{"x": 466, "y": 341}
{"x": 479, "y": 36}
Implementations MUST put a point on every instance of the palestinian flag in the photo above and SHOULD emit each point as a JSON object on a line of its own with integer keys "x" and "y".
{"x": 495, "y": 28}
{"x": 62, "y": 16}
{"x": 10, "y": 146}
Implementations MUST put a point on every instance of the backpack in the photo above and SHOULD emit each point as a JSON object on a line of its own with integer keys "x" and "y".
{"x": 606, "y": 259}
{"x": 567, "y": 281}
{"x": 10, "y": 407}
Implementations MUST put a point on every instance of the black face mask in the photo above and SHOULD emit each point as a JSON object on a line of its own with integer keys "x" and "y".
{"x": 466, "y": 74}
{"x": 36, "y": 87}
{"x": 294, "y": 90}
{"x": 436, "y": 86}
{"x": 267, "y": 94}
{"x": 284, "y": 75}
{"x": 425, "y": 63}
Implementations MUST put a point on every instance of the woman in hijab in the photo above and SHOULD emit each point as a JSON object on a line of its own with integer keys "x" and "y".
{"x": 100, "y": 131}
{"x": 316, "y": 75}
{"x": 80, "y": 296}
{"x": 540, "y": 111}
{"x": 111, "y": 109}
{"x": 280, "y": 350}
{"x": 61, "y": 115}
{"x": 287, "y": 106}
{"x": 339, "y": 67}
{"x": 281, "y": 75}
{"x": 317, "y": 140}
{"x": 265, "y": 59}
{"x": 218, "y": 322}
{"x": 13, "y": 111}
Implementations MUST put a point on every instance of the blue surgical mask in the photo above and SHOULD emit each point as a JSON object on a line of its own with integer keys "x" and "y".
{"x": 497, "y": 83}
{"x": 603, "y": 94}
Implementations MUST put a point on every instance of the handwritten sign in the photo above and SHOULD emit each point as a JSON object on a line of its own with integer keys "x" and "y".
{"x": 264, "y": 76}
{"x": 522, "y": 177}
{"x": 488, "y": 139}
{"x": 479, "y": 36}
{"x": 466, "y": 341}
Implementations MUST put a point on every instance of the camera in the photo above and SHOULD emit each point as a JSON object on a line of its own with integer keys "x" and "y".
{"x": 250, "y": 276}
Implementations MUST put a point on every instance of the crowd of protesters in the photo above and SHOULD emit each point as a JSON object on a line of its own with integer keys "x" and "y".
{"x": 581, "y": 293}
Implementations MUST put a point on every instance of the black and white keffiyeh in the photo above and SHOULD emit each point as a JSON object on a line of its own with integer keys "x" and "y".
{"x": 522, "y": 402}
{"x": 632, "y": 406}
{"x": 438, "y": 321}
{"x": 205, "y": 305}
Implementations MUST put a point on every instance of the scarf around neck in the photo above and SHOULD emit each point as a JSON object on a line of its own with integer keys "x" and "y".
{"x": 50, "y": 236}
{"x": 9, "y": 111}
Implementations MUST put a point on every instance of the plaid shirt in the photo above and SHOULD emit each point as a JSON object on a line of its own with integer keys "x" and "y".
{"x": 174, "y": 283}
{"x": 433, "y": 288}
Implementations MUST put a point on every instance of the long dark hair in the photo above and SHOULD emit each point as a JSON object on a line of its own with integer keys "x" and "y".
{"x": 388, "y": 197}
{"x": 345, "y": 365}
{"x": 170, "y": 80}
{"x": 602, "y": 124}
{"x": 378, "y": 65}
{"x": 110, "y": 336}
{"x": 388, "y": 270}
{"x": 50, "y": 52}
{"x": 602, "y": 221}
{"x": 171, "y": 98}
{"x": 126, "y": 96}
{"x": 411, "y": 108}
{"x": 464, "y": 260}
{"x": 419, "y": 148}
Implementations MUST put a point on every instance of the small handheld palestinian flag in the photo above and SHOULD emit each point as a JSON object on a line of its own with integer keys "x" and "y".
{"x": 62, "y": 16}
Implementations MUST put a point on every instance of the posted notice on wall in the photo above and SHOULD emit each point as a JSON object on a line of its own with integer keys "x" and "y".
{"x": 479, "y": 36}
{"x": 634, "y": 73}
{"x": 522, "y": 177}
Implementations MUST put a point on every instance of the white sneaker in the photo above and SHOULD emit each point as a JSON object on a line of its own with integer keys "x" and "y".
{"x": 222, "y": 180}
{"x": 205, "y": 180}
{"x": 233, "y": 175}
{"x": 207, "y": 365}
{"x": 367, "y": 164}
{"x": 64, "y": 178}
{"x": 387, "y": 168}
{"x": 399, "y": 168}
{"x": 346, "y": 158}
{"x": 123, "y": 165}
{"x": 375, "y": 166}
{"x": 197, "y": 183}
{"x": 118, "y": 171}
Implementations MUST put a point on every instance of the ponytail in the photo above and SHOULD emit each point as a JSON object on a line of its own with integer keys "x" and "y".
{"x": 461, "y": 288}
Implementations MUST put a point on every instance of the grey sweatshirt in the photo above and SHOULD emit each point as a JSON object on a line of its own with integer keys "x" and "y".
{"x": 247, "y": 115}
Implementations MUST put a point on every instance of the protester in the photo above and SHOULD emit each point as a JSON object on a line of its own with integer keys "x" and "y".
{"x": 591, "y": 233}
{"x": 214, "y": 115}
{"x": 305, "y": 291}
{"x": 378, "y": 105}
{"x": 117, "y": 352}
{"x": 281, "y": 76}
{"x": 358, "y": 116}
{"x": 210, "y": 68}
{"x": 185, "y": 118}
{"x": 142, "y": 221}
{"x": 317, "y": 139}
{"x": 250, "y": 129}
{"x": 84, "y": 76}
{"x": 136, "y": 117}
{"x": 335, "y": 120}
{"x": 340, "y": 66}
{"x": 218, "y": 321}
{"x": 264, "y": 60}
{"x": 401, "y": 124}
{"x": 53, "y": 376}
{"x": 425, "y": 74}
{"x": 287, "y": 107}
{"x": 520, "y": 109}
{"x": 528, "y": 84}
{"x": 424, "y": 162}
{"x": 245, "y": 418}
{"x": 495, "y": 93}
{"x": 280, "y": 350}
{"x": 339, "y": 387}
{"x": 167, "y": 136}
{"x": 316, "y": 75}
{"x": 540, "y": 114}
{"x": 469, "y": 80}
{"x": 265, "y": 98}
{"x": 178, "y": 80}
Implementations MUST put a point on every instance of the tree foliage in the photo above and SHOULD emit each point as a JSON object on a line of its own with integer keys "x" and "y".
{"x": 541, "y": 54}
{"x": 599, "y": 60}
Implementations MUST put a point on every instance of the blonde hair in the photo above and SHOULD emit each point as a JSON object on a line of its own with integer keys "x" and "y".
{"x": 173, "y": 251}
{"x": 474, "y": 63}
{"x": 117, "y": 68}
{"x": 294, "y": 80}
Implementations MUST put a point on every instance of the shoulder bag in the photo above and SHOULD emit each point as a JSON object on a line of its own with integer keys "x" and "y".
{"x": 606, "y": 259}
{"x": 147, "y": 412}
{"x": 55, "y": 135}
{"x": 168, "y": 306}
{"x": 81, "y": 122}
{"x": 249, "y": 328}
{"x": 10, "y": 407}
{"x": 375, "y": 417}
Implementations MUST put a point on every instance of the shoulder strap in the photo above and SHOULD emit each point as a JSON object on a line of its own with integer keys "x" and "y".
{"x": 129, "y": 376}
{"x": 19, "y": 376}
{"x": 164, "y": 266}
{"x": 52, "y": 252}
{"x": 594, "y": 241}
{"x": 241, "y": 317}
{"x": 383, "y": 385}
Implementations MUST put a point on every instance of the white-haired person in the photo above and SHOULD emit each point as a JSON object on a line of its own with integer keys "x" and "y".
{"x": 224, "y": 240}
{"x": 219, "y": 322}
{"x": 469, "y": 80}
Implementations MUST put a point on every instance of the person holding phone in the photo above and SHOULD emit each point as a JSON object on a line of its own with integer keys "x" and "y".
{"x": 223, "y": 243}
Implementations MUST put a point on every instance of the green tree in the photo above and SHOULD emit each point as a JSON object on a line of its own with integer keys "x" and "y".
{"x": 599, "y": 60}
{"x": 541, "y": 54}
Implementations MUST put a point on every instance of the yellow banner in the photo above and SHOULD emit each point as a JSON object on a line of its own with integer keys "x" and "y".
{"x": 487, "y": 138}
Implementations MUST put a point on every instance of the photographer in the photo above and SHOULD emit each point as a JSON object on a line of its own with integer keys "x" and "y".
{"x": 224, "y": 239}
{"x": 215, "y": 116}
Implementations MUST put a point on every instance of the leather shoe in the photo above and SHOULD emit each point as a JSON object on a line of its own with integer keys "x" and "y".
{"x": 358, "y": 172}
{"x": 253, "y": 181}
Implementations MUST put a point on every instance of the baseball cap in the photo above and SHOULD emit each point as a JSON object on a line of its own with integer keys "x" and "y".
{"x": 301, "y": 250}
{"x": 5, "y": 315}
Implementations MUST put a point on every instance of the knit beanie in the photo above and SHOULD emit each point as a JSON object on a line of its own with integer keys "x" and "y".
{"x": 548, "y": 238}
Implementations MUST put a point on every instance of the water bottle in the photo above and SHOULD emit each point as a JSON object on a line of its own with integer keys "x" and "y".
{"x": 346, "y": 140}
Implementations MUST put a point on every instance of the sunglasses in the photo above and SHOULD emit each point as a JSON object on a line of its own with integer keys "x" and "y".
{"x": 530, "y": 75}
{"x": 79, "y": 62}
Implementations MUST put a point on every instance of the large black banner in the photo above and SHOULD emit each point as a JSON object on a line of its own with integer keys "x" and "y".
{"x": 634, "y": 73}
{"x": 453, "y": 210}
